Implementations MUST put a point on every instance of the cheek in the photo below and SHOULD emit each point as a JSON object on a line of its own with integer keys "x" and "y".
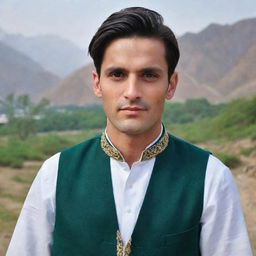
{"x": 109, "y": 101}
{"x": 158, "y": 98}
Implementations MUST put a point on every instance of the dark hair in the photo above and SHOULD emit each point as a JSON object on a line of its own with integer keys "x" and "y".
{"x": 134, "y": 21}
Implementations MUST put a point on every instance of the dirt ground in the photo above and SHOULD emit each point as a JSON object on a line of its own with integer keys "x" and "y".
{"x": 245, "y": 176}
{"x": 14, "y": 184}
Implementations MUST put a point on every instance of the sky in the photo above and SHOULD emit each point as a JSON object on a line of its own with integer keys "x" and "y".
{"x": 78, "y": 20}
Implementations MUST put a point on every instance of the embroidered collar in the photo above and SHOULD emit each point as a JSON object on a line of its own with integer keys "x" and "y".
{"x": 147, "y": 154}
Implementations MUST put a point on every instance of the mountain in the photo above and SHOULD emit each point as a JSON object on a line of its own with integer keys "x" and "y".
{"x": 53, "y": 53}
{"x": 217, "y": 63}
{"x": 242, "y": 73}
{"x": 76, "y": 89}
{"x": 215, "y": 59}
{"x": 21, "y": 75}
{"x": 189, "y": 88}
{"x": 211, "y": 53}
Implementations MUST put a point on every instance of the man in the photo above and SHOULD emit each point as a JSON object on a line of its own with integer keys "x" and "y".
{"x": 134, "y": 190}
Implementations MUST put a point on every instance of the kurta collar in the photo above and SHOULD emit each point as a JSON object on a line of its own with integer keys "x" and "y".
{"x": 152, "y": 150}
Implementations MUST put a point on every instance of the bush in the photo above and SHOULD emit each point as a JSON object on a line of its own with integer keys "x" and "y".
{"x": 236, "y": 120}
{"x": 52, "y": 143}
{"x": 248, "y": 151}
{"x": 9, "y": 157}
{"x": 190, "y": 111}
{"x": 16, "y": 151}
{"x": 195, "y": 132}
{"x": 231, "y": 161}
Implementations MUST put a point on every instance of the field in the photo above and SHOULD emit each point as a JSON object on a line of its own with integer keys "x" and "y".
{"x": 227, "y": 130}
{"x": 16, "y": 182}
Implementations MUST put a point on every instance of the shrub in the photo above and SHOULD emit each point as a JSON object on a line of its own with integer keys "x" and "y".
{"x": 13, "y": 151}
{"x": 231, "y": 161}
{"x": 9, "y": 157}
{"x": 52, "y": 143}
{"x": 248, "y": 151}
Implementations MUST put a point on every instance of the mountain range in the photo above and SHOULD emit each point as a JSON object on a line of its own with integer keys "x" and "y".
{"x": 21, "y": 75}
{"x": 75, "y": 89}
{"x": 217, "y": 63}
{"x": 54, "y": 54}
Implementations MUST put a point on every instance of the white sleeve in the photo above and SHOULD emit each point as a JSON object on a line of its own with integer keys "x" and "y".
{"x": 33, "y": 232}
{"x": 223, "y": 231}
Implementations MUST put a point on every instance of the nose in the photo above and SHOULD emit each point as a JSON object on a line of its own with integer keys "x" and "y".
{"x": 132, "y": 89}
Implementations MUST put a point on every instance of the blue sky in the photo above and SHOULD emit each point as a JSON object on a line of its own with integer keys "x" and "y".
{"x": 77, "y": 20}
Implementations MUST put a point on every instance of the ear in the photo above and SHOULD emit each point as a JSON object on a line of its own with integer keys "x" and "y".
{"x": 172, "y": 86}
{"x": 96, "y": 84}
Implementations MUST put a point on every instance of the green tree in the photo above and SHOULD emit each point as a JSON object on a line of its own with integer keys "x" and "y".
{"x": 22, "y": 113}
{"x": 8, "y": 106}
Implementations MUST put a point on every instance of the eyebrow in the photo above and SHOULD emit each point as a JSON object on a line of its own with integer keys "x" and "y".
{"x": 147, "y": 69}
{"x": 152, "y": 69}
{"x": 111, "y": 69}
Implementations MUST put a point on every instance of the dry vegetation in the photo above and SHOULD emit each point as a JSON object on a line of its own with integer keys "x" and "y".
{"x": 14, "y": 185}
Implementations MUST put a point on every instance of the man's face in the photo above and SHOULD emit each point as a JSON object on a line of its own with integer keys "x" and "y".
{"x": 134, "y": 84}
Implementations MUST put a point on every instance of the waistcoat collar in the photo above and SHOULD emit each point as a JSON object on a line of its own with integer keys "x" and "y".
{"x": 150, "y": 152}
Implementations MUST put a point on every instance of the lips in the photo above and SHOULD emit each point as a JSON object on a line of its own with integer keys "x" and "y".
{"x": 133, "y": 108}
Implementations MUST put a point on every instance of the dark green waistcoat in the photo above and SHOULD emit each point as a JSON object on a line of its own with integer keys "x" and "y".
{"x": 169, "y": 220}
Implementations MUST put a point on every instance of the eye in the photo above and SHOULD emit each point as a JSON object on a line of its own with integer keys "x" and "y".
{"x": 117, "y": 75}
{"x": 150, "y": 76}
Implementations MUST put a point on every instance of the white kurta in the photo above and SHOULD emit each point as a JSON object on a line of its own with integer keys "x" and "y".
{"x": 223, "y": 228}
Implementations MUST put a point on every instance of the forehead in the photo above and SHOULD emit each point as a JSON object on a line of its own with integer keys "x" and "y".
{"x": 135, "y": 53}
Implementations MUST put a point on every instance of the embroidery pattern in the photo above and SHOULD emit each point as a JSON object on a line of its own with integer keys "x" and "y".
{"x": 156, "y": 149}
{"x": 120, "y": 250}
{"x": 147, "y": 154}
{"x": 109, "y": 150}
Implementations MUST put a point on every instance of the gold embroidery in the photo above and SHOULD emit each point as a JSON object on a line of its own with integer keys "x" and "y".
{"x": 109, "y": 150}
{"x": 156, "y": 149}
{"x": 120, "y": 250}
{"x": 147, "y": 154}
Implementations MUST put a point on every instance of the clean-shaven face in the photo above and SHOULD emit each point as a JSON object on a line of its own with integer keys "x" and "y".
{"x": 134, "y": 84}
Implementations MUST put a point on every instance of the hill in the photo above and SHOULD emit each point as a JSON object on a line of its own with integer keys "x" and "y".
{"x": 208, "y": 55}
{"x": 217, "y": 63}
{"x": 76, "y": 89}
{"x": 20, "y": 75}
{"x": 242, "y": 73}
{"x": 55, "y": 54}
{"x": 211, "y": 56}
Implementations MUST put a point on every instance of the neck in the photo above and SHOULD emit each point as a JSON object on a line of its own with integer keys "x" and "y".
{"x": 132, "y": 146}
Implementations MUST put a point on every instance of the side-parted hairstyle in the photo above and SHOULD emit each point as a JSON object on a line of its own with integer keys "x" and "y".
{"x": 130, "y": 22}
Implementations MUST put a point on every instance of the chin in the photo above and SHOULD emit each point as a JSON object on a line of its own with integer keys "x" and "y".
{"x": 132, "y": 127}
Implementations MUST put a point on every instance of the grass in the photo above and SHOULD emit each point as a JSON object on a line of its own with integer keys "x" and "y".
{"x": 7, "y": 223}
{"x": 13, "y": 190}
{"x": 248, "y": 151}
{"x": 6, "y": 216}
{"x": 23, "y": 179}
{"x": 13, "y": 151}
{"x": 16, "y": 198}
{"x": 235, "y": 121}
